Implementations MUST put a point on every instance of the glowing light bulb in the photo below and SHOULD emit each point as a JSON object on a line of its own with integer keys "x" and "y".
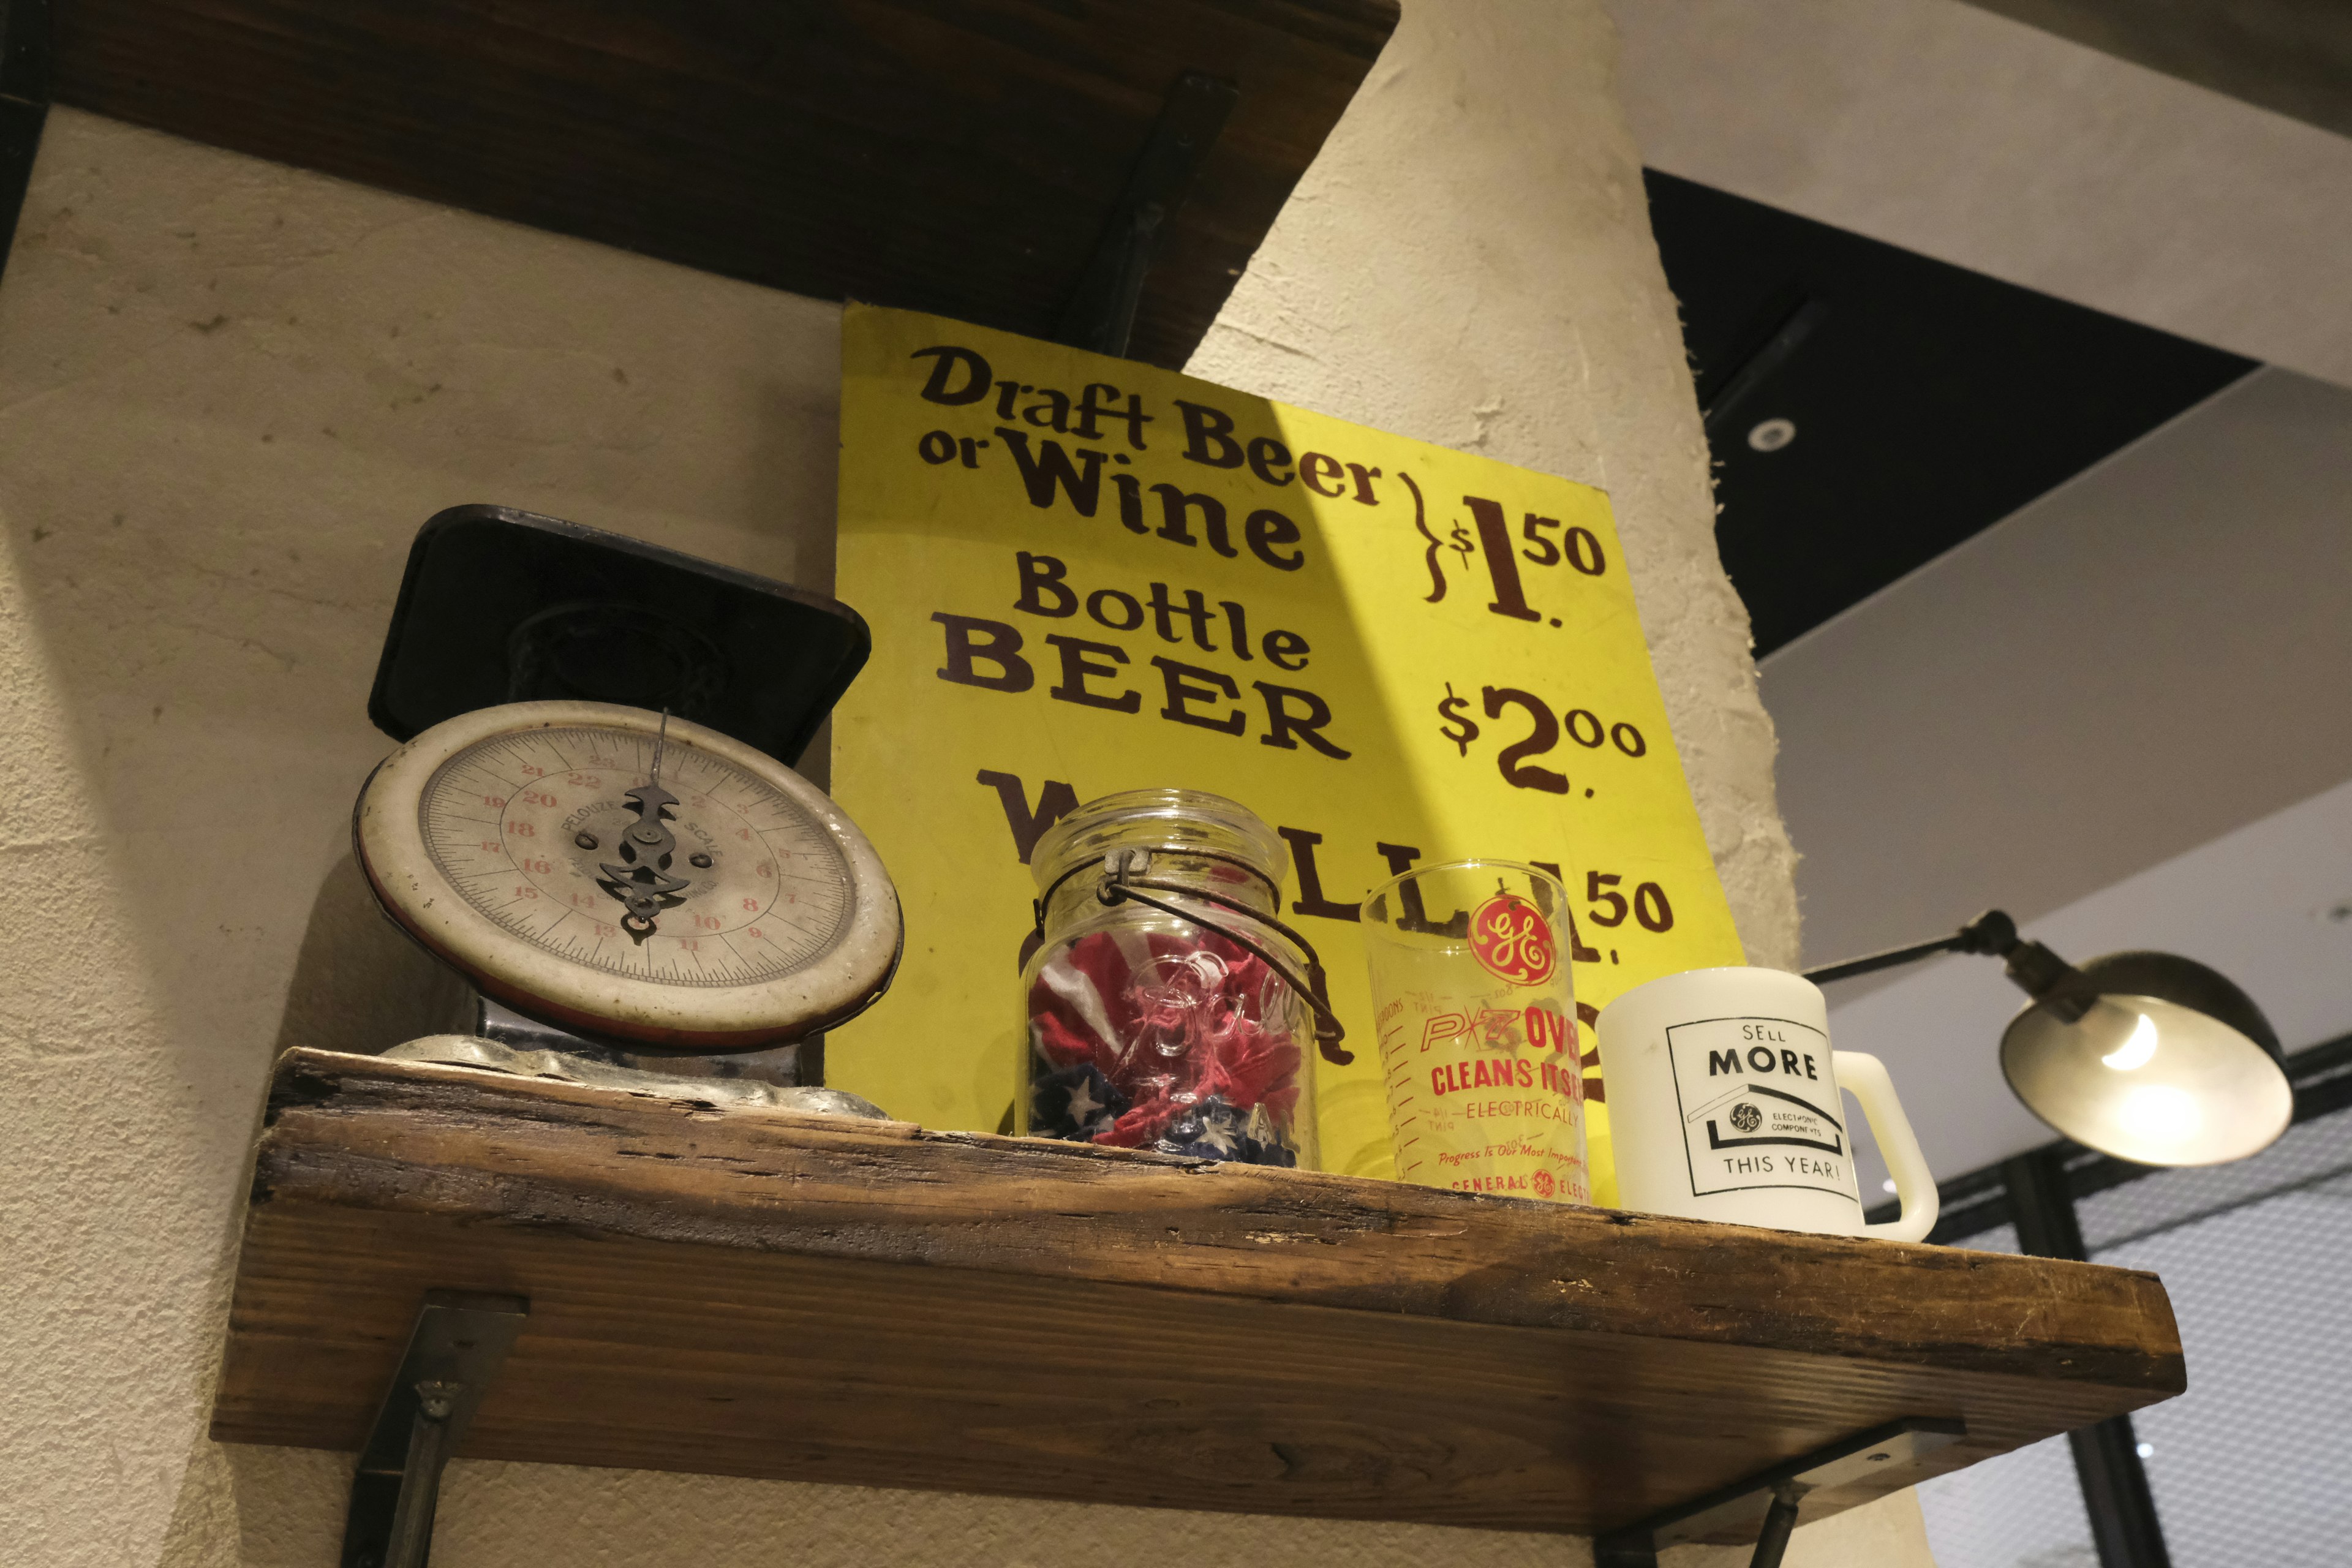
{"x": 2160, "y": 1113}
{"x": 2136, "y": 1051}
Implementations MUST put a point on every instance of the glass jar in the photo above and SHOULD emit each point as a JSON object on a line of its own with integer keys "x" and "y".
{"x": 1168, "y": 1008}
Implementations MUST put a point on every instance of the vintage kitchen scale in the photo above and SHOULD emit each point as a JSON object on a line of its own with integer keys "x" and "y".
{"x": 589, "y": 822}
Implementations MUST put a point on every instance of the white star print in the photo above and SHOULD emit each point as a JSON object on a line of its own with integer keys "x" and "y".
{"x": 1217, "y": 1133}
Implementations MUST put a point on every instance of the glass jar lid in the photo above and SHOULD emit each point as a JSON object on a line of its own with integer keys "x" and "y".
{"x": 1177, "y": 820}
{"x": 1187, "y": 823}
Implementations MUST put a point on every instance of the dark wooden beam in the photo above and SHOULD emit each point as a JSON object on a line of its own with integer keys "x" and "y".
{"x": 24, "y": 105}
{"x": 959, "y": 156}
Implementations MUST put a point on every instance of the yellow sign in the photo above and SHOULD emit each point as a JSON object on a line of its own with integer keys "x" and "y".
{"x": 1085, "y": 575}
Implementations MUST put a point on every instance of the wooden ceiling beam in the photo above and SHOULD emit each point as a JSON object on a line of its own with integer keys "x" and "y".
{"x": 958, "y": 156}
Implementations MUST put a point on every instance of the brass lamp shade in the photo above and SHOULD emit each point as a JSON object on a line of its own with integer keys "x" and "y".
{"x": 2150, "y": 1057}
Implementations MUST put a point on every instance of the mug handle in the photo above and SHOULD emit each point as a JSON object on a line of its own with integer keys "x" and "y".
{"x": 1866, "y": 1075}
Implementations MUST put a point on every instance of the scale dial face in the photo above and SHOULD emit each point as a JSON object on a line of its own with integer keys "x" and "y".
{"x": 724, "y": 904}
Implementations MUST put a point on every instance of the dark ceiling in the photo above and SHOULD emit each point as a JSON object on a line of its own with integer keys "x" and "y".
{"x": 1928, "y": 402}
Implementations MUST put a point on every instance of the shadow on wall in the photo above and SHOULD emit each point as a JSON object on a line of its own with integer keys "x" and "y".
{"x": 257, "y": 1507}
{"x": 360, "y": 983}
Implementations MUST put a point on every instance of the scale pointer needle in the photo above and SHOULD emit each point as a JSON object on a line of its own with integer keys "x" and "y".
{"x": 642, "y": 881}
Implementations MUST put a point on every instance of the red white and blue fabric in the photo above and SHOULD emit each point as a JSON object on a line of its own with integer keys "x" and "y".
{"x": 1164, "y": 1040}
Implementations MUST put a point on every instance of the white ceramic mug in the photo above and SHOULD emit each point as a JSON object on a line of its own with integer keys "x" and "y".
{"x": 1723, "y": 1105}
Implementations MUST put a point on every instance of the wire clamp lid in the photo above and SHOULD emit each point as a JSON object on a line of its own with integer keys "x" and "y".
{"x": 1126, "y": 878}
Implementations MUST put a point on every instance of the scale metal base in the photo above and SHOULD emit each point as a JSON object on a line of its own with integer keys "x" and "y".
{"x": 487, "y": 1034}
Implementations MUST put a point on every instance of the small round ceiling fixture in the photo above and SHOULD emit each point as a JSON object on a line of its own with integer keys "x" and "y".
{"x": 1771, "y": 435}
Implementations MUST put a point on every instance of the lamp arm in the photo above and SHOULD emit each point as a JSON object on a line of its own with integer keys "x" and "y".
{"x": 1992, "y": 932}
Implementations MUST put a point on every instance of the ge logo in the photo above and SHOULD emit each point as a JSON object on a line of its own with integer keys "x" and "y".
{"x": 1543, "y": 1184}
{"x": 1746, "y": 1117}
{"x": 1514, "y": 941}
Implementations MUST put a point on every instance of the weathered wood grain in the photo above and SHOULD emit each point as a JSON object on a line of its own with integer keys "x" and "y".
{"x": 753, "y": 1292}
{"x": 960, "y": 156}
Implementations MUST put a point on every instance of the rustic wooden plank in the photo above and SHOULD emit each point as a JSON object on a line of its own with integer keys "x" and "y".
{"x": 960, "y": 156}
{"x": 753, "y": 1292}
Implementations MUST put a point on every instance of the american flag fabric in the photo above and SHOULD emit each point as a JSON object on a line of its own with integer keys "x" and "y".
{"x": 1175, "y": 1040}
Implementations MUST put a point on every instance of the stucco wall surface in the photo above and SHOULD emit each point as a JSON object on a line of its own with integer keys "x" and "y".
{"x": 229, "y": 392}
{"x": 1469, "y": 261}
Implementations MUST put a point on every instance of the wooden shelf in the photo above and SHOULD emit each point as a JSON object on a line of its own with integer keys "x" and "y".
{"x": 755, "y": 1292}
{"x": 960, "y": 156}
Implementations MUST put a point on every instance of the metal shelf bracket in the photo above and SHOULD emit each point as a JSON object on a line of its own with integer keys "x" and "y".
{"x": 456, "y": 1348}
{"x": 1767, "y": 1502}
{"x": 1100, "y": 314}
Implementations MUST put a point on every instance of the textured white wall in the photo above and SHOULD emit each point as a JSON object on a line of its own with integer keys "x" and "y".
{"x": 1470, "y": 262}
{"x": 229, "y": 392}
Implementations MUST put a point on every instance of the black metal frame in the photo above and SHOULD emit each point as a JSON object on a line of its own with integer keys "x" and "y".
{"x": 2037, "y": 1192}
{"x": 2115, "y": 1495}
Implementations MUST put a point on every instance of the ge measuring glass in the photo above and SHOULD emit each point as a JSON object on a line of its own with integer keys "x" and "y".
{"x": 1477, "y": 1029}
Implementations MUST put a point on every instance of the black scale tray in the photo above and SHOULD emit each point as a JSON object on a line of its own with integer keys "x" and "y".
{"x": 503, "y": 606}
